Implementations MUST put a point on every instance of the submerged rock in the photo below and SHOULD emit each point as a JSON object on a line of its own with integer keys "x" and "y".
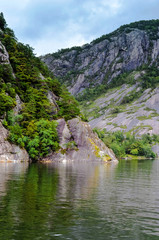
{"x": 79, "y": 143}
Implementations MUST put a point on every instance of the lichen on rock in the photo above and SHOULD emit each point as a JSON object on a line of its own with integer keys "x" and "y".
{"x": 88, "y": 146}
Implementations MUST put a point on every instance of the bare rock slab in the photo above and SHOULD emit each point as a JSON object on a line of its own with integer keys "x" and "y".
{"x": 87, "y": 146}
{"x": 8, "y": 151}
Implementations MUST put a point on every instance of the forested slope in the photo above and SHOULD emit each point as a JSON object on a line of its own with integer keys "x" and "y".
{"x": 31, "y": 103}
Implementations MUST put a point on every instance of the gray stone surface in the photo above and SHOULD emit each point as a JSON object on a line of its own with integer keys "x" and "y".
{"x": 155, "y": 149}
{"x": 18, "y": 106}
{"x": 4, "y": 56}
{"x": 140, "y": 117}
{"x": 8, "y": 151}
{"x": 108, "y": 58}
{"x": 52, "y": 99}
{"x": 88, "y": 146}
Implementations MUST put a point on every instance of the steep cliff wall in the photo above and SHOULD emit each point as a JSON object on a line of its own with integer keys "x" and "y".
{"x": 126, "y": 49}
{"x": 115, "y": 78}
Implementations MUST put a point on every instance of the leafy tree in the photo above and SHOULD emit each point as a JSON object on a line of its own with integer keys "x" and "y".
{"x": 69, "y": 107}
{"x": 123, "y": 144}
{"x": 6, "y": 103}
{"x": 3, "y": 23}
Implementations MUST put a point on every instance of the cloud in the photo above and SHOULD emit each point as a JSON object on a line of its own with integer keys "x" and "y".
{"x": 48, "y": 25}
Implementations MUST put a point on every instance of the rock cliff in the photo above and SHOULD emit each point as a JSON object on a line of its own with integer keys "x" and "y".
{"x": 109, "y": 77}
{"x": 124, "y": 50}
{"x": 79, "y": 143}
{"x": 140, "y": 116}
{"x": 10, "y": 152}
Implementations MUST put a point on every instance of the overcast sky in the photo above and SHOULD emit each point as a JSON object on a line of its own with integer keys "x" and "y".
{"x": 49, "y": 25}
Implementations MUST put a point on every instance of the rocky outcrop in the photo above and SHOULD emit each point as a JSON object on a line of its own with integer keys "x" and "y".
{"x": 8, "y": 151}
{"x": 4, "y": 56}
{"x": 18, "y": 106}
{"x": 52, "y": 99}
{"x": 101, "y": 61}
{"x": 79, "y": 143}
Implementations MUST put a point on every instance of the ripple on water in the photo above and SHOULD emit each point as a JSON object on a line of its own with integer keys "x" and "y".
{"x": 80, "y": 201}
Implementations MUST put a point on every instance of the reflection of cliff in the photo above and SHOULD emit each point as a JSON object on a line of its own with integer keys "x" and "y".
{"x": 7, "y": 170}
{"x": 80, "y": 180}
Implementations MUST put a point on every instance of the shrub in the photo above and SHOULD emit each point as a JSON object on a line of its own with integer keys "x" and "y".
{"x": 123, "y": 144}
{"x": 6, "y": 103}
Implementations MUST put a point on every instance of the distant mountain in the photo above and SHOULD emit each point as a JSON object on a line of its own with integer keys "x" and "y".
{"x": 115, "y": 77}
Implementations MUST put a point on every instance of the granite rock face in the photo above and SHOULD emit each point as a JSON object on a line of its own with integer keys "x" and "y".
{"x": 4, "y": 56}
{"x": 79, "y": 143}
{"x": 18, "y": 106}
{"x": 141, "y": 116}
{"x": 8, "y": 151}
{"x": 100, "y": 62}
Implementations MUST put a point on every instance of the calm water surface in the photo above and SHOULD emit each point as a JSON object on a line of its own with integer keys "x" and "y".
{"x": 80, "y": 201}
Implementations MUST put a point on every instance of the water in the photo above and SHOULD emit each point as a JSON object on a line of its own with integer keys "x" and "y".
{"x": 80, "y": 201}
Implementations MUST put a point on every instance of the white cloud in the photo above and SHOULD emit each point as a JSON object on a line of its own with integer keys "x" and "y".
{"x": 48, "y": 25}
{"x": 50, "y": 43}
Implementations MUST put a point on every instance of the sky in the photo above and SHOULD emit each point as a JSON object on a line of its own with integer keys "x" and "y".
{"x": 50, "y": 25}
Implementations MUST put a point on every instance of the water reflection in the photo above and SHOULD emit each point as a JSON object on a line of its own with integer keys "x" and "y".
{"x": 8, "y": 170}
{"x": 80, "y": 180}
{"x": 80, "y": 201}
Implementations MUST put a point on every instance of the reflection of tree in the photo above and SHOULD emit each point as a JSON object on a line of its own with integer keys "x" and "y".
{"x": 50, "y": 201}
{"x": 25, "y": 207}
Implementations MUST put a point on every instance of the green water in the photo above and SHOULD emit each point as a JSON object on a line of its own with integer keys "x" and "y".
{"x": 80, "y": 201}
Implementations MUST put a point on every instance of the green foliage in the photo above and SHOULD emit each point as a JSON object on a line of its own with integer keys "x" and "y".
{"x": 115, "y": 110}
{"x": 71, "y": 145}
{"x": 118, "y": 149}
{"x": 16, "y": 135}
{"x": 34, "y": 127}
{"x": 92, "y": 93}
{"x": 42, "y": 137}
{"x": 69, "y": 107}
{"x": 54, "y": 86}
{"x": 123, "y": 144}
{"x": 3, "y": 23}
{"x": 36, "y": 106}
{"x": 6, "y": 103}
{"x": 39, "y": 138}
{"x": 151, "y": 78}
{"x": 132, "y": 96}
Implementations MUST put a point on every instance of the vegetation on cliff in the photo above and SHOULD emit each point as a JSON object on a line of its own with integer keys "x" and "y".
{"x": 34, "y": 127}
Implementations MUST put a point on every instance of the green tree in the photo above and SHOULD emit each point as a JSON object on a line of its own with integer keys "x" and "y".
{"x": 3, "y": 23}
